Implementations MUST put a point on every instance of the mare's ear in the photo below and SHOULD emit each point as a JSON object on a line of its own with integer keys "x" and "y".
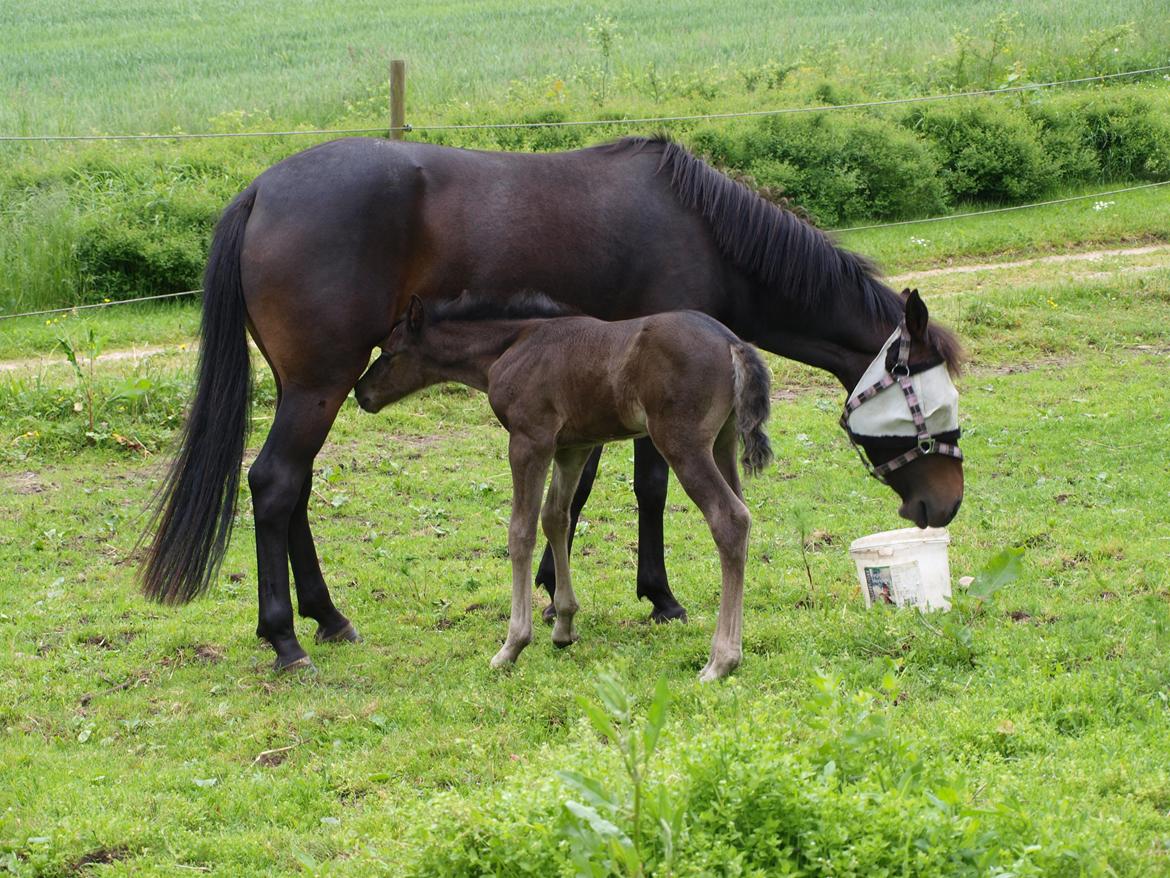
{"x": 917, "y": 316}
{"x": 415, "y": 315}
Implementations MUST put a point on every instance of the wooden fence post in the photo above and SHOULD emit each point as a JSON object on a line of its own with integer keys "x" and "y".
{"x": 397, "y": 100}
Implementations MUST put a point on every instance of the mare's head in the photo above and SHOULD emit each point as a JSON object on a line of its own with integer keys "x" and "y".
{"x": 903, "y": 414}
{"x": 401, "y": 369}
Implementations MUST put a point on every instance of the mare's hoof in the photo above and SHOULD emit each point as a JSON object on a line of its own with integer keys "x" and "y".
{"x": 669, "y": 614}
{"x": 500, "y": 660}
{"x": 549, "y": 614}
{"x": 346, "y": 634}
{"x": 304, "y": 663}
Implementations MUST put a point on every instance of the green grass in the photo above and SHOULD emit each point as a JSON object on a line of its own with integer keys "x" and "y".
{"x": 133, "y": 66}
{"x": 129, "y": 732}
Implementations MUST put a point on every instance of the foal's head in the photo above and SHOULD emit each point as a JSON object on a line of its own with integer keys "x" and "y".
{"x": 401, "y": 369}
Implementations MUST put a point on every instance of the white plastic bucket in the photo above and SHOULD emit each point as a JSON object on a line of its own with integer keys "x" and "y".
{"x": 905, "y": 568}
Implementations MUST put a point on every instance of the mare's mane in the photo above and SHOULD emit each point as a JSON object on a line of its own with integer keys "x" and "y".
{"x": 799, "y": 265}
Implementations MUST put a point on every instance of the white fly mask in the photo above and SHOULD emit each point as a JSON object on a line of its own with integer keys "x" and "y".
{"x": 892, "y": 403}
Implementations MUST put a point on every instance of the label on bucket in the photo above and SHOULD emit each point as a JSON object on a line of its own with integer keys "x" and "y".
{"x": 896, "y": 584}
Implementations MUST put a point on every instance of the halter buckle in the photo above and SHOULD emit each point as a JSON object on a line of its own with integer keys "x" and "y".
{"x": 927, "y": 445}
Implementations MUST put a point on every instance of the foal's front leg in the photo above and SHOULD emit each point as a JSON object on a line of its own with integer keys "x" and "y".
{"x": 529, "y": 461}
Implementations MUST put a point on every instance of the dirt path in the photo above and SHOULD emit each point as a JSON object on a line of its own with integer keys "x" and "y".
{"x": 1054, "y": 259}
{"x": 139, "y": 354}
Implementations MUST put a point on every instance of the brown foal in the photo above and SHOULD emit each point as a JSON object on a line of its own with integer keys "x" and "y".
{"x": 562, "y": 384}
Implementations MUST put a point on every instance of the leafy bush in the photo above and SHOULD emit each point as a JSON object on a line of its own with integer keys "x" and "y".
{"x": 835, "y": 167}
{"x": 121, "y": 261}
{"x": 986, "y": 151}
{"x": 843, "y": 794}
{"x": 1131, "y": 142}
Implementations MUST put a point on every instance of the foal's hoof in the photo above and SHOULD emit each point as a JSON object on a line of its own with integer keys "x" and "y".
{"x": 662, "y": 615}
{"x": 345, "y": 634}
{"x": 717, "y": 669}
{"x": 549, "y": 614}
{"x": 304, "y": 663}
{"x": 563, "y": 643}
{"x": 502, "y": 660}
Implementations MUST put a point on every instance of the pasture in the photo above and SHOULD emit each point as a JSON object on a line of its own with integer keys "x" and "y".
{"x": 1026, "y": 733}
{"x": 151, "y": 738}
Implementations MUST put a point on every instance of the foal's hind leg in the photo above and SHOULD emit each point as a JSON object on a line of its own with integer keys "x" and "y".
{"x": 557, "y": 529}
{"x": 529, "y": 461}
{"x": 546, "y": 572}
{"x": 730, "y": 522}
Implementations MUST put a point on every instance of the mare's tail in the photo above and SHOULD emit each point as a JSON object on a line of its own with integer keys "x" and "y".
{"x": 753, "y": 384}
{"x": 194, "y": 508}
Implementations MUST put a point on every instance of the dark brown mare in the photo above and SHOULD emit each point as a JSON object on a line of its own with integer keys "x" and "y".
{"x": 561, "y": 385}
{"x": 321, "y": 254}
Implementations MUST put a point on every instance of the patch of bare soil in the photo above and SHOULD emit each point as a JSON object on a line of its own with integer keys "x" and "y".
{"x": 26, "y": 483}
{"x": 1056, "y": 258}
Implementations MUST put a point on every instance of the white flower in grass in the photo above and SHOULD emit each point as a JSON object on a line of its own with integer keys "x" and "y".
{"x": 921, "y": 242}
{"x": 1103, "y": 205}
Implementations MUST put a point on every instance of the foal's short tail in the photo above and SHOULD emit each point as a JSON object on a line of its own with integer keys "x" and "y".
{"x": 753, "y": 384}
{"x": 195, "y": 506}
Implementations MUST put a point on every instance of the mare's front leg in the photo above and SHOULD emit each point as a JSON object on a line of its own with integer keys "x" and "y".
{"x": 651, "y": 476}
{"x": 277, "y": 480}
{"x": 546, "y": 572}
{"x": 557, "y": 524}
{"x": 529, "y": 461}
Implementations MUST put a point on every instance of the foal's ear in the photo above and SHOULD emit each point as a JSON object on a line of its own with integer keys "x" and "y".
{"x": 415, "y": 315}
{"x": 917, "y": 317}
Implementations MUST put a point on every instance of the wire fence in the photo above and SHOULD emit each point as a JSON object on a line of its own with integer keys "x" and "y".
{"x": 608, "y": 122}
{"x": 645, "y": 120}
{"x": 838, "y": 231}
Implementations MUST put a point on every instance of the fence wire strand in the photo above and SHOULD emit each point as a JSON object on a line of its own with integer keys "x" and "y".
{"x": 840, "y": 231}
{"x": 699, "y": 117}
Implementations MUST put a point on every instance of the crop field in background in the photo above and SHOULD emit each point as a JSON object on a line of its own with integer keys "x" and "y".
{"x": 134, "y": 66}
{"x": 1025, "y": 734}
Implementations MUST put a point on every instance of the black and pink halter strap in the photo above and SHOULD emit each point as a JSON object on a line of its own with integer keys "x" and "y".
{"x": 898, "y": 374}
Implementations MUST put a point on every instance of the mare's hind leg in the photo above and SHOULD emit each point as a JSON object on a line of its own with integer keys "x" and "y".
{"x": 529, "y": 461}
{"x": 730, "y": 522}
{"x": 313, "y": 600}
{"x": 546, "y": 572}
{"x": 557, "y": 529}
{"x": 651, "y": 476}
{"x": 277, "y": 480}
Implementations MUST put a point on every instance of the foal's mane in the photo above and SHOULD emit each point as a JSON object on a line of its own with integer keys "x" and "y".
{"x": 472, "y": 306}
{"x": 799, "y": 265}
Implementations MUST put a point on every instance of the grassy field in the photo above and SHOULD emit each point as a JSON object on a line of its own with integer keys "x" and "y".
{"x": 1024, "y": 735}
{"x": 194, "y": 66}
{"x": 140, "y": 737}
